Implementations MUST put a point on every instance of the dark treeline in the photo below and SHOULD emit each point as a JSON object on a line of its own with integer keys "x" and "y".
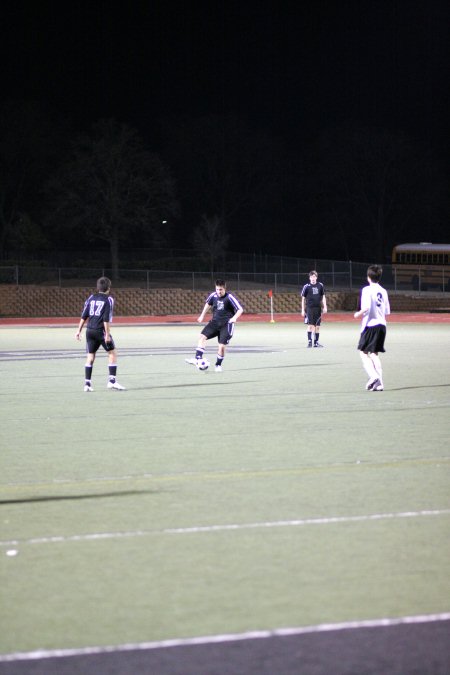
{"x": 210, "y": 183}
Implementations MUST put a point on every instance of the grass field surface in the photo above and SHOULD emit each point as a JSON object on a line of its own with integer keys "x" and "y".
{"x": 277, "y": 494}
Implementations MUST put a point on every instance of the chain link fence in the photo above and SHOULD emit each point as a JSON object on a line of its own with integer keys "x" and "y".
{"x": 260, "y": 272}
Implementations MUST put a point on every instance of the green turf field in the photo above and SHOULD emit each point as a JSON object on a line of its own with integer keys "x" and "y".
{"x": 278, "y": 493}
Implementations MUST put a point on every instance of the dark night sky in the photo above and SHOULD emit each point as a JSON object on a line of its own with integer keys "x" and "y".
{"x": 292, "y": 69}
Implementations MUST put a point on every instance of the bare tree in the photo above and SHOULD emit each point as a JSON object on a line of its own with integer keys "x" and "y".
{"x": 211, "y": 241}
{"x": 112, "y": 189}
{"x": 226, "y": 167}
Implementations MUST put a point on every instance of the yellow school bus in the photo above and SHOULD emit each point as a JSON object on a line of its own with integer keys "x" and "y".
{"x": 422, "y": 266}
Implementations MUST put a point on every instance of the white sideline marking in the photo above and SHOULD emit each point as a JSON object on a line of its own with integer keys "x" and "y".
{"x": 223, "y": 528}
{"x": 230, "y": 637}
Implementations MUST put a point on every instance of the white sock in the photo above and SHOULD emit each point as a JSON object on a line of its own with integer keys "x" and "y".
{"x": 377, "y": 366}
{"x": 369, "y": 366}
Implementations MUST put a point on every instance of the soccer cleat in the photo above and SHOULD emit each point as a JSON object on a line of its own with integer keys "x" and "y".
{"x": 87, "y": 387}
{"x": 378, "y": 386}
{"x": 371, "y": 383}
{"x": 218, "y": 369}
{"x": 309, "y": 344}
{"x": 317, "y": 344}
{"x": 192, "y": 361}
{"x": 115, "y": 385}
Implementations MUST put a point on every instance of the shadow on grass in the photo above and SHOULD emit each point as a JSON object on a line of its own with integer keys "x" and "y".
{"x": 420, "y": 386}
{"x": 184, "y": 386}
{"x": 102, "y": 495}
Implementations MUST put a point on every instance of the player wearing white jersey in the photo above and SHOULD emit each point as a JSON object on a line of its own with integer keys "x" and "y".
{"x": 374, "y": 309}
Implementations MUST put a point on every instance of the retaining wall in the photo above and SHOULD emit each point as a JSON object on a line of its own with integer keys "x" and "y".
{"x": 44, "y": 301}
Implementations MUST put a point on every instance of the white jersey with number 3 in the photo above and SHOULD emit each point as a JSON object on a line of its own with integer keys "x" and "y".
{"x": 375, "y": 301}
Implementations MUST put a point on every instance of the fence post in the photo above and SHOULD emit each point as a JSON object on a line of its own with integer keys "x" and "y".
{"x": 350, "y": 272}
{"x": 16, "y": 269}
{"x": 193, "y": 281}
{"x": 275, "y": 281}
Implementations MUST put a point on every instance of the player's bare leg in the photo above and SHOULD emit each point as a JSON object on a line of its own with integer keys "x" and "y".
{"x": 112, "y": 367}
{"x": 199, "y": 351}
{"x": 220, "y": 358}
{"x": 88, "y": 372}
{"x": 316, "y": 336}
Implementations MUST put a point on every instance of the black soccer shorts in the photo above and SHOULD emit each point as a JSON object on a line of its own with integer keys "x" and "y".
{"x": 95, "y": 338}
{"x": 372, "y": 339}
{"x": 223, "y": 332}
{"x": 313, "y": 316}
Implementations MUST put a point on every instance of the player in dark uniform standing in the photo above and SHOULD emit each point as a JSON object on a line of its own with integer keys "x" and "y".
{"x": 314, "y": 303}
{"x": 98, "y": 313}
{"x": 226, "y": 310}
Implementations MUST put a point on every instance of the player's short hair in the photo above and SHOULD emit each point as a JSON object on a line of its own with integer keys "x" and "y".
{"x": 221, "y": 282}
{"x": 103, "y": 284}
{"x": 374, "y": 272}
{"x": 313, "y": 272}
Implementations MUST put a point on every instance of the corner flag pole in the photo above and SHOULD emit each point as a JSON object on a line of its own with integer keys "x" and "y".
{"x": 270, "y": 294}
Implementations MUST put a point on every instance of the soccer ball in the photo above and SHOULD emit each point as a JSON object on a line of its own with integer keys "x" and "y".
{"x": 202, "y": 364}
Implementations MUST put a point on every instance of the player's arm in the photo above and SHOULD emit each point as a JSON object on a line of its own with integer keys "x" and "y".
{"x": 365, "y": 304}
{"x": 324, "y": 304}
{"x": 362, "y": 312}
{"x": 201, "y": 318}
{"x": 106, "y": 329}
{"x": 80, "y": 328}
{"x": 303, "y": 305}
{"x": 236, "y": 316}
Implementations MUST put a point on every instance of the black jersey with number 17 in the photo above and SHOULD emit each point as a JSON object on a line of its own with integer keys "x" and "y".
{"x": 223, "y": 307}
{"x": 98, "y": 309}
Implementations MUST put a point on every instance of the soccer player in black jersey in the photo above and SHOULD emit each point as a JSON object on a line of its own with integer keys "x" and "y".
{"x": 98, "y": 313}
{"x": 226, "y": 310}
{"x": 314, "y": 303}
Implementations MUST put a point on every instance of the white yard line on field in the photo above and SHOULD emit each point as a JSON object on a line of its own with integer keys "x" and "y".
{"x": 231, "y": 637}
{"x": 197, "y": 529}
